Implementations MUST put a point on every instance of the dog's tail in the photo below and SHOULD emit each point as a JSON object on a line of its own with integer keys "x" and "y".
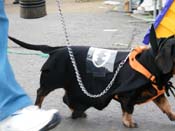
{"x": 43, "y": 48}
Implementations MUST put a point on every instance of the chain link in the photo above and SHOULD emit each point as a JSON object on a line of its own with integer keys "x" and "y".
{"x": 73, "y": 61}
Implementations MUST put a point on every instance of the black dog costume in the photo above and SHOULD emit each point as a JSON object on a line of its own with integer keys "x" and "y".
{"x": 130, "y": 86}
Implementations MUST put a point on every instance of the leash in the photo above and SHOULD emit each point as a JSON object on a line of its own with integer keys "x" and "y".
{"x": 74, "y": 63}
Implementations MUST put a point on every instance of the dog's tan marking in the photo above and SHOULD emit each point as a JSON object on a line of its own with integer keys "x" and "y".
{"x": 40, "y": 101}
{"x": 128, "y": 121}
{"x": 116, "y": 97}
{"x": 146, "y": 93}
{"x": 164, "y": 105}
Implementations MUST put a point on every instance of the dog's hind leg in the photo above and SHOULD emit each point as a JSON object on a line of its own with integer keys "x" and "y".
{"x": 41, "y": 94}
{"x": 78, "y": 114}
{"x": 39, "y": 101}
{"x": 79, "y": 111}
{"x": 164, "y": 105}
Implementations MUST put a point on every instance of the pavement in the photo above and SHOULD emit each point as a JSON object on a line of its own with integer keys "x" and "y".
{"x": 88, "y": 23}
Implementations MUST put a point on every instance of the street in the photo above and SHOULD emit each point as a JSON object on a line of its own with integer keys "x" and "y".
{"x": 88, "y": 23}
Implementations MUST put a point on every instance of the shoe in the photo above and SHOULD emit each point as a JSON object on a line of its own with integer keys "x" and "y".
{"x": 31, "y": 118}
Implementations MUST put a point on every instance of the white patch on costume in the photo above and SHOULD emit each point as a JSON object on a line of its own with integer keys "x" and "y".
{"x": 101, "y": 60}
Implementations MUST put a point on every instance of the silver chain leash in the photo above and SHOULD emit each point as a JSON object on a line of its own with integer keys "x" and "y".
{"x": 73, "y": 61}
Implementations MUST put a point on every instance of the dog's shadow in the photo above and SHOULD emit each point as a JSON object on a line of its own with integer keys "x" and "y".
{"x": 110, "y": 120}
{"x": 110, "y": 125}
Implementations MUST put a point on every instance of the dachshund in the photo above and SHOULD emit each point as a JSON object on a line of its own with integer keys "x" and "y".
{"x": 142, "y": 77}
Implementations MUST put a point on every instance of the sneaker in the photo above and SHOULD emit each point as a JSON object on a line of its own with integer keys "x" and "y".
{"x": 31, "y": 118}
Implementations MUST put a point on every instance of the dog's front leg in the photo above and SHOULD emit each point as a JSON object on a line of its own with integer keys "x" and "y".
{"x": 128, "y": 120}
{"x": 127, "y": 110}
{"x": 164, "y": 105}
{"x": 127, "y": 116}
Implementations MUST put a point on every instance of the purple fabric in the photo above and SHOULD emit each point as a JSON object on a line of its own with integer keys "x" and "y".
{"x": 158, "y": 20}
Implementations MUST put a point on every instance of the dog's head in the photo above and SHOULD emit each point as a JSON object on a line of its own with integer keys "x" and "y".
{"x": 164, "y": 52}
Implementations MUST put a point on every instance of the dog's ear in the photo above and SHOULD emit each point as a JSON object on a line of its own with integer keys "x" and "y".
{"x": 164, "y": 59}
{"x": 153, "y": 40}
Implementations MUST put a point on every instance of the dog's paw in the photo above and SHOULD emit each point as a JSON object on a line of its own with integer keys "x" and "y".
{"x": 171, "y": 116}
{"x": 130, "y": 124}
{"x": 76, "y": 115}
{"x": 128, "y": 121}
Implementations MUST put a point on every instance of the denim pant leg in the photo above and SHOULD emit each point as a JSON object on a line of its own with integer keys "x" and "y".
{"x": 12, "y": 96}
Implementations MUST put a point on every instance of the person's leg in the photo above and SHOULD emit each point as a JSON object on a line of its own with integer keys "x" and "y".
{"x": 16, "y": 110}
{"x": 12, "y": 97}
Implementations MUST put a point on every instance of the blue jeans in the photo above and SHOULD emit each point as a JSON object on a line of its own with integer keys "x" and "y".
{"x": 12, "y": 96}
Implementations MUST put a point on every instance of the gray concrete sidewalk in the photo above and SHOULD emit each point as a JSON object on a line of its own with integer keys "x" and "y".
{"x": 89, "y": 23}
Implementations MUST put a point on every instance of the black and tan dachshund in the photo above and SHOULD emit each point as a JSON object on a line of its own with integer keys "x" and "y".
{"x": 144, "y": 77}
